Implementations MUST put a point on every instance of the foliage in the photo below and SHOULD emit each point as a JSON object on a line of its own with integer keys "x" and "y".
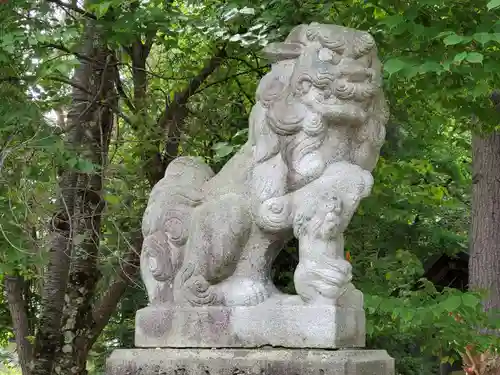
{"x": 440, "y": 64}
{"x": 10, "y": 371}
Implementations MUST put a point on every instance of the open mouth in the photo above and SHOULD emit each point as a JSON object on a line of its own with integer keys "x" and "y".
{"x": 343, "y": 113}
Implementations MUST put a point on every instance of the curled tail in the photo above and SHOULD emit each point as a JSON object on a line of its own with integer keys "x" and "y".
{"x": 166, "y": 223}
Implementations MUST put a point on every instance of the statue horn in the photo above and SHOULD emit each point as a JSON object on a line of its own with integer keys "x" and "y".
{"x": 282, "y": 51}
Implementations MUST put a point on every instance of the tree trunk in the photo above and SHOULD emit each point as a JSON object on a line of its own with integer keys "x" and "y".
{"x": 97, "y": 119}
{"x": 69, "y": 323}
{"x": 55, "y": 279}
{"x": 14, "y": 290}
{"x": 69, "y": 284}
{"x": 484, "y": 264}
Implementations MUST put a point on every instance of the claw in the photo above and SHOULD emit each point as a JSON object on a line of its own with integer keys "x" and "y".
{"x": 200, "y": 292}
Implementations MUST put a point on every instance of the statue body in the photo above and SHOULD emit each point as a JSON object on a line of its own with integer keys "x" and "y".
{"x": 314, "y": 138}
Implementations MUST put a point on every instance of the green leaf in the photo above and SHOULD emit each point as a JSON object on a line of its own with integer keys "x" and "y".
{"x": 475, "y": 57}
{"x": 393, "y": 21}
{"x": 430, "y": 66}
{"x": 453, "y": 39}
{"x": 482, "y": 88}
{"x": 235, "y": 38}
{"x": 452, "y": 303}
{"x": 460, "y": 57}
{"x": 102, "y": 8}
{"x": 85, "y": 166}
{"x": 392, "y": 66}
{"x": 112, "y": 199}
{"x": 438, "y": 311}
{"x": 222, "y": 149}
{"x": 446, "y": 65}
{"x": 484, "y": 38}
{"x": 247, "y": 10}
{"x": 73, "y": 162}
{"x": 493, "y": 4}
{"x": 30, "y": 339}
{"x": 256, "y": 27}
{"x": 443, "y": 34}
{"x": 470, "y": 300}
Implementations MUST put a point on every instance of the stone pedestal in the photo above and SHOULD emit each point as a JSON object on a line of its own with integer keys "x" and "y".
{"x": 263, "y": 361}
{"x": 270, "y": 324}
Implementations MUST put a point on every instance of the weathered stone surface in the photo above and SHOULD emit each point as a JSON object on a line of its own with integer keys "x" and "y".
{"x": 314, "y": 138}
{"x": 249, "y": 362}
{"x": 210, "y": 239}
{"x": 293, "y": 326}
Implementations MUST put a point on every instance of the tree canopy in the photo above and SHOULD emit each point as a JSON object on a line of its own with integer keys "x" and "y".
{"x": 98, "y": 96}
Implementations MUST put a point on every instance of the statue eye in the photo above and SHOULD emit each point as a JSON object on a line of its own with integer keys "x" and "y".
{"x": 327, "y": 55}
{"x": 324, "y": 54}
{"x": 304, "y": 87}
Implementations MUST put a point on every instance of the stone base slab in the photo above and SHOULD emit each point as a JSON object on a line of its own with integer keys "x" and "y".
{"x": 326, "y": 327}
{"x": 249, "y": 362}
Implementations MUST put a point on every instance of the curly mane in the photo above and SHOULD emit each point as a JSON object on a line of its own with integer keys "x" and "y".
{"x": 281, "y": 123}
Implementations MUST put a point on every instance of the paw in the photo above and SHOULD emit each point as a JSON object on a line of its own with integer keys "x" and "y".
{"x": 245, "y": 292}
{"x": 198, "y": 292}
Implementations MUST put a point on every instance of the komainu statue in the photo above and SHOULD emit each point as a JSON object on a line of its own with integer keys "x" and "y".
{"x": 314, "y": 137}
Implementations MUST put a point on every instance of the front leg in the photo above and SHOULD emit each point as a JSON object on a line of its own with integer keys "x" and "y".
{"x": 322, "y": 211}
{"x": 322, "y": 274}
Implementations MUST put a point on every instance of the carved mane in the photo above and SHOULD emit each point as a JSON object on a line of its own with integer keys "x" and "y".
{"x": 327, "y": 58}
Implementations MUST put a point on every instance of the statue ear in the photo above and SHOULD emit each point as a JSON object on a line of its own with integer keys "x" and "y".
{"x": 282, "y": 51}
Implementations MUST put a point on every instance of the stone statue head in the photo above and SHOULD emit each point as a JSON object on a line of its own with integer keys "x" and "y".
{"x": 323, "y": 77}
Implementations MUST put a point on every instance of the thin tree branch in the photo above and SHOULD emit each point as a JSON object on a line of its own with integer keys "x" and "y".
{"x": 169, "y": 78}
{"x": 166, "y": 78}
{"x": 51, "y": 78}
{"x": 225, "y": 80}
{"x": 99, "y": 89}
{"x": 68, "y": 82}
{"x": 75, "y": 85}
{"x": 149, "y": 41}
{"x": 63, "y": 48}
{"x": 121, "y": 91}
{"x": 196, "y": 82}
{"x": 249, "y": 98}
{"x": 181, "y": 98}
{"x": 256, "y": 69}
{"x": 83, "y": 89}
{"x": 106, "y": 306}
{"x": 119, "y": 113}
{"x": 74, "y": 8}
